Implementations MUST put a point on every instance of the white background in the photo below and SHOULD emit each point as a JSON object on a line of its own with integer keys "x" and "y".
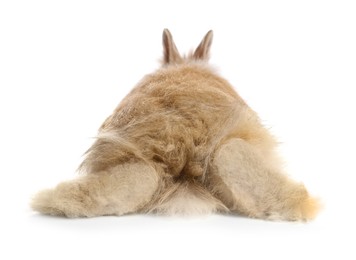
{"x": 65, "y": 65}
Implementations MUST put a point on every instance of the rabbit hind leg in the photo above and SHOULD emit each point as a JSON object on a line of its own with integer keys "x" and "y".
{"x": 247, "y": 186}
{"x": 120, "y": 190}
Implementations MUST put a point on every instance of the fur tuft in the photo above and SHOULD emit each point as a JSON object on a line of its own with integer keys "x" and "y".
{"x": 189, "y": 200}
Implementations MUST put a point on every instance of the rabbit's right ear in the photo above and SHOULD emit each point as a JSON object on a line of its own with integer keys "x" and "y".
{"x": 170, "y": 52}
{"x": 202, "y": 51}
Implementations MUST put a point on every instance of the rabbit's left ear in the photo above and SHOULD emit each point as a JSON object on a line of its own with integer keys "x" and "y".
{"x": 170, "y": 51}
{"x": 203, "y": 50}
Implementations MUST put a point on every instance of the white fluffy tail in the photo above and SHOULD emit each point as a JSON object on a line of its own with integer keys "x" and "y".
{"x": 188, "y": 199}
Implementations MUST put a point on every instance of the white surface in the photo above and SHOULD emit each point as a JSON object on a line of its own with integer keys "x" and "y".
{"x": 64, "y": 66}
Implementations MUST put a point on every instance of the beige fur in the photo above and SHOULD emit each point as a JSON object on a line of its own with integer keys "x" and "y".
{"x": 182, "y": 142}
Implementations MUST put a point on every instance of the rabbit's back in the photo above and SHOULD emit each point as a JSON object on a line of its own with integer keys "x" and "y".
{"x": 176, "y": 116}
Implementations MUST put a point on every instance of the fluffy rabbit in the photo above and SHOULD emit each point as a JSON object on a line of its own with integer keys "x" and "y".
{"x": 181, "y": 142}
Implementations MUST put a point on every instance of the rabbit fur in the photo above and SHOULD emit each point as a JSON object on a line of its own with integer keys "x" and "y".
{"x": 181, "y": 142}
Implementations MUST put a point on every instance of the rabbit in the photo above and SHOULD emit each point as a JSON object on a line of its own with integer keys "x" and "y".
{"x": 182, "y": 142}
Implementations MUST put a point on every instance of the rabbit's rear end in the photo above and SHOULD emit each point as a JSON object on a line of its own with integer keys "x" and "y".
{"x": 182, "y": 142}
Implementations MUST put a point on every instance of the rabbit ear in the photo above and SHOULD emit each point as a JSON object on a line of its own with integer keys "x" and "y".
{"x": 202, "y": 51}
{"x": 170, "y": 52}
